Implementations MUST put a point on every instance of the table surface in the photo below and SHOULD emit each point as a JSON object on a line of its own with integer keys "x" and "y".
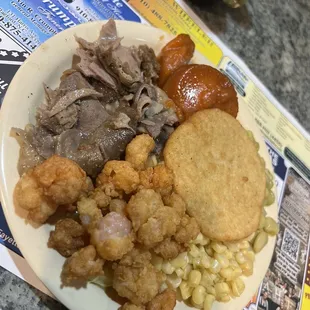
{"x": 273, "y": 39}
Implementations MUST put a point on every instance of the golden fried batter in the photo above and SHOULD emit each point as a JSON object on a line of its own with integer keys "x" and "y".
{"x": 113, "y": 236}
{"x": 89, "y": 213}
{"x": 101, "y": 198}
{"x": 67, "y": 238}
{"x": 130, "y": 306}
{"x": 62, "y": 179}
{"x": 142, "y": 206}
{"x": 138, "y": 150}
{"x": 162, "y": 224}
{"x": 187, "y": 231}
{"x": 121, "y": 174}
{"x": 136, "y": 278}
{"x": 159, "y": 178}
{"x": 28, "y": 195}
{"x": 175, "y": 201}
{"x": 163, "y": 301}
{"x": 169, "y": 248}
{"x": 82, "y": 266}
{"x": 118, "y": 206}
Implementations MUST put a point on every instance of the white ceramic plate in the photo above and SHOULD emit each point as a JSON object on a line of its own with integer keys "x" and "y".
{"x": 25, "y": 93}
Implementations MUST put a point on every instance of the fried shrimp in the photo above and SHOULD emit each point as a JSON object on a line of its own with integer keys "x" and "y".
{"x": 121, "y": 175}
{"x": 57, "y": 181}
{"x": 130, "y": 306}
{"x": 159, "y": 178}
{"x": 101, "y": 198}
{"x": 62, "y": 179}
{"x": 113, "y": 236}
{"x": 169, "y": 248}
{"x": 138, "y": 150}
{"x": 187, "y": 231}
{"x": 89, "y": 212}
{"x": 163, "y": 301}
{"x": 82, "y": 266}
{"x": 142, "y": 206}
{"x": 162, "y": 224}
{"x": 28, "y": 195}
{"x": 67, "y": 238}
{"x": 136, "y": 278}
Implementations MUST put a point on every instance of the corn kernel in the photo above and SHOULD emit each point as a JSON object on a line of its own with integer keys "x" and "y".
{"x": 218, "y": 247}
{"x": 222, "y": 259}
{"x": 198, "y": 295}
{"x": 209, "y": 300}
{"x": 180, "y": 261}
{"x": 185, "y": 290}
{"x": 215, "y": 266}
{"x": 167, "y": 268}
{"x": 237, "y": 287}
{"x": 194, "y": 278}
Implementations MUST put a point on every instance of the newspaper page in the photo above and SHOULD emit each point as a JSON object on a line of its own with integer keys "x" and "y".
{"x": 25, "y": 24}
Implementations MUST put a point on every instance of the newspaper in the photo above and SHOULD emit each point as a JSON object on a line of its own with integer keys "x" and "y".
{"x": 25, "y": 24}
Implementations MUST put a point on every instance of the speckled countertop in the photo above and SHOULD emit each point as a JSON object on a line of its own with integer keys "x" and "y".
{"x": 273, "y": 39}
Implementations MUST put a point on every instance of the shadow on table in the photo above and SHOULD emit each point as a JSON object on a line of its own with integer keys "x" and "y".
{"x": 215, "y": 14}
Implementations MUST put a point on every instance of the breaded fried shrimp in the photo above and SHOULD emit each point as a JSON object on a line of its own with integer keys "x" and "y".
{"x": 169, "y": 248}
{"x": 130, "y": 306}
{"x": 62, "y": 179}
{"x": 82, "y": 266}
{"x": 163, "y": 301}
{"x": 138, "y": 150}
{"x": 121, "y": 174}
{"x": 113, "y": 236}
{"x": 142, "y": 206}
{"x": 187, "y": 231}
{"x": 136, "y": 278}
{"x": 159, "y": 178}
{"x": 89, "y": 212}
{"x": 67, "y": 238}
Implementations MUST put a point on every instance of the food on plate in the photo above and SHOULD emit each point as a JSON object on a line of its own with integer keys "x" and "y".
{"x": 56, "y": 181}
{"x": 173, "y": 55}
{"x": 212, "y": 148}
{"x": 108, "y": 97}
{"x": 81, "y": 266}
{"x": 147, "y": 206}
{"x": 113, "y": 236}
{"x": 68, "y": 237}
{"x": 165, "y": 300}
{"x": 136, "y": 278}
{"x": 196, "y": 87}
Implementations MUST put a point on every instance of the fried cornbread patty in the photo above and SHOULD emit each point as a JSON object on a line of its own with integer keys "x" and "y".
{"x": 218, "y": 173}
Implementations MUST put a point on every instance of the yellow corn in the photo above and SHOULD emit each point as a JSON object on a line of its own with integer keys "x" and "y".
{"x": 167, "y": 268}
{"x": 208, "y": 302}
{"x": 194, "y": 278}
{"x": 185, "y": 290}
{"x": 218, "y": 247}
{"x": 237, "y": 287}
{"x": 207, "y": 279}
{"x": 227, "y": 273}
{"x": 173, "y": 281}
{"x": 222, "y": 290}
{"x": 187, "y": 270}
{"x": 240, "y": 258}
{"x": 222, "y": 259}
{"x": 271, "y": 227}
{"x": 180, "y": 261}
{"x": 198, "y": 295}
{"x": 215, "y": 266}
{"x": 261, "y": 221}
{"x": 260, "y": 241}
{"x": 247, "y": 268}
